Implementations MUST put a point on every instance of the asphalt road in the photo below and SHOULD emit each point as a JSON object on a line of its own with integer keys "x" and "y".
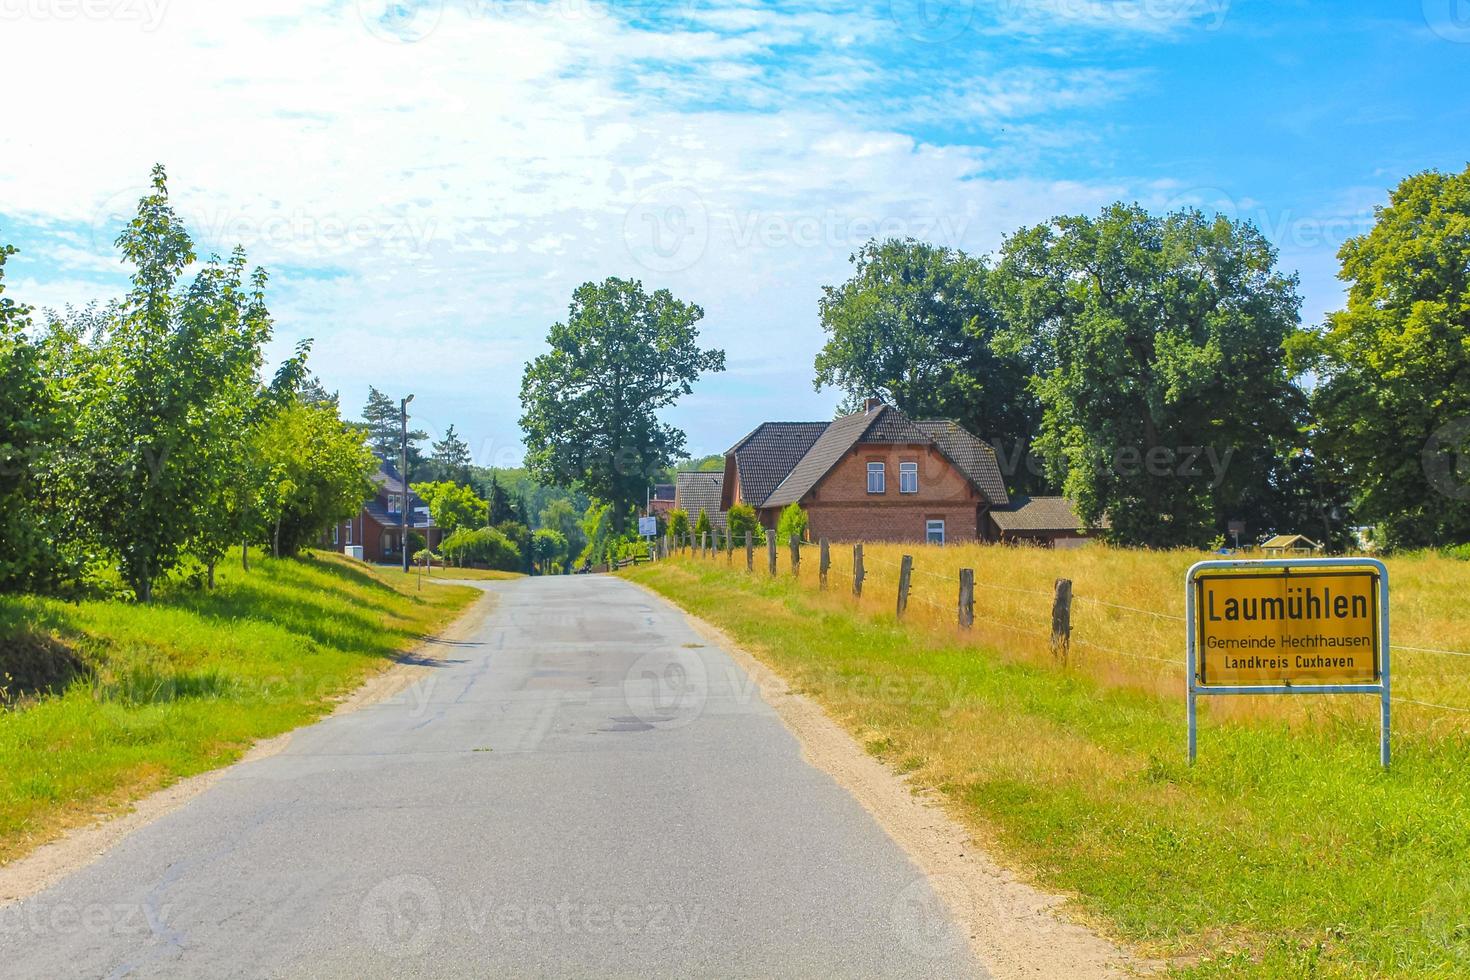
{"x": 582, "y": 789}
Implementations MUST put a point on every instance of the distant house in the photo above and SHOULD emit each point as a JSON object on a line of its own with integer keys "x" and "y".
{"x": 661, "y": 500}
{"x": 1296, "y": 544}
{"x": 875, "y": 475}
{"x": 694, "y": 492}
{"x": 1047, "y": 521}
{"x": 373, "y": 534}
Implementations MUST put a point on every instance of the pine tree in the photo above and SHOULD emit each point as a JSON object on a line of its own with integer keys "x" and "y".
{"x": 450, "y": 458}
{"x": 500, "y": 506}
{"x": 381, "y": 421}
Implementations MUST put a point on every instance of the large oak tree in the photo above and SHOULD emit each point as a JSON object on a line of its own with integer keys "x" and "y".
{"x": 591, "y": 403}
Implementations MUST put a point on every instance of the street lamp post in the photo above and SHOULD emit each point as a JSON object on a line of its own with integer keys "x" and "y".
{"x": 403, "y": 475}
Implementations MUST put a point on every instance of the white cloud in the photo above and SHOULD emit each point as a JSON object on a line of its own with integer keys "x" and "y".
{"x": 426, "y": 208}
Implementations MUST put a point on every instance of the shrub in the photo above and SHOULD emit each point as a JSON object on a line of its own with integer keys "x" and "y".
{"x": 484, "y": 546}
{"x": 740, "y": 519}
{"x": 703, "y": 528}
{"x": 792, "y": 523}
{"x": 679, "y": 524}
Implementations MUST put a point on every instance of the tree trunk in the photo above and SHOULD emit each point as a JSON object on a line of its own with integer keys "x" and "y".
{"x": 211, "y": 574}
{"x": 245, "y": 555}
{"x": 276, "y": 543}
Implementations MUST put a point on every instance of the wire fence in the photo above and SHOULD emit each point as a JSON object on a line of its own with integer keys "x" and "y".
{"x": 1098, "y": 625}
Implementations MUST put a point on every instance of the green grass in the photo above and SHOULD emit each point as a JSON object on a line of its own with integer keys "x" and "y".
{"x": 1285, "y": 851}
{"x": 188, "y": 683}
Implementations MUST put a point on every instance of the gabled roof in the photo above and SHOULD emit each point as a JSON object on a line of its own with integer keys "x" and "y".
{"x": 765, "y": 457}
{"x": 663, "y": 491}
{"x": 973, "y": 458}
{"x": 694, "y": 492}
{"x": 834, "y": 442}
{"x": 1038, "y": 514}
{"x": 1290, "y": 541}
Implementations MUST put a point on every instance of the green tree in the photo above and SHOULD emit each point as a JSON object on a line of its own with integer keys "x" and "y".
{"x": 915, "y": 325}
{"x": 591, "y": 403}
{"x": 145, "y": 391}
{"x": 548, "y": 546}
{"x": 481, "y": 546}
{"x": 1394, "y": 400}
{"x": 452, "y": 505}
{"x": 234, "y": 323}
{"x": 792, "y": 523}
{"x": 449, "y": 458}
{"x": 679, "y": 524}
{"x": 560, "y": 516}
{"x": 702, "y": 527}
{"x": 1165, "y": 392}
{"x": 742, "y": 518}
{"x": 501, "y": 509}
{"x": 29, "y": 426}
{"x": 315, "y": 471}
{"x": 382, "y": 421}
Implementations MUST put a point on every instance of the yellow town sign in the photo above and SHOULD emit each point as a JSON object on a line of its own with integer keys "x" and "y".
{"x": 1288, "y": 626}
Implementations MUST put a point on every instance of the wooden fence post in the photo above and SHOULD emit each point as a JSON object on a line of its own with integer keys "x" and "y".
{"x": 749, "y": 551}
{"x": 824, "y": 562}
{"x": 1061, "y": 620}
{"x": 795, "y": 555}
{"x": 857, "y": 570}
{"x": 771, "y": 549}
{"x": 729, "y": 545}
{"x": 967, "y": 597}
{"x": 905, "y": 569}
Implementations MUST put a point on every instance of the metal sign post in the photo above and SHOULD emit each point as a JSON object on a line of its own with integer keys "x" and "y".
{"x": 1288, "y": 626}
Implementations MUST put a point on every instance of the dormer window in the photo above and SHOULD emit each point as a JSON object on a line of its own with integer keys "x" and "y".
{"x": 876, "y": 478}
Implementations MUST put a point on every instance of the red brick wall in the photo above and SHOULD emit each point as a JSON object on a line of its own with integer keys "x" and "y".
{"x": 841, "y": 509}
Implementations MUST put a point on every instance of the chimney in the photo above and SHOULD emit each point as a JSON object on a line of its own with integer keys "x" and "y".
{"x": 872, "y": 404}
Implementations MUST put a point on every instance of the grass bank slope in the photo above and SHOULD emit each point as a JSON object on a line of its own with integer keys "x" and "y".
{"x": 111, "y": 700}
{"x": 1284, "y": 852}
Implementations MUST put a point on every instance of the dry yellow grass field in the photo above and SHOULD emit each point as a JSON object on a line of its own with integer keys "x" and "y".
{"x": 1128, "y": 618}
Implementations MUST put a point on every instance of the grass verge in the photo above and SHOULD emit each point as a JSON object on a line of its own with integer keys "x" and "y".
{"x": 159, "y": 692}
{"x": 1284, "y": 852}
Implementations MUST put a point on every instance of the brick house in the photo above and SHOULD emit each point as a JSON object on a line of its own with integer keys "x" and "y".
{"x": 373, "y": 534}
{"x": 660, "y": 501}
{"x": 694, "y": 492}
{"x": 875, "y": 475}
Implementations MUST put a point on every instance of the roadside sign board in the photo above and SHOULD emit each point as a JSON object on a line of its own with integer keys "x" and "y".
{"x": 1288, "y": 626}
{"x": 648, "y": 527}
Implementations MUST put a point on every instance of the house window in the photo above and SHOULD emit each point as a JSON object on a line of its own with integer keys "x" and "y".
{"x": 908, "y": 477}
{"x": 395, "y": 503}
{"x": 875, "y": 478}
{"x": 336, "y": 532}
{"x": 934, "y": 532}
{"x": 349, "y": 533}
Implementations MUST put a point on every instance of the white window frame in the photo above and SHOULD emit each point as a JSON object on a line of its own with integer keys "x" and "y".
{"x": 908, "y": 477}
{"x": 336, "y": 532}
{"x": 348, "y": 542}
{"x": 929, "y": 528}
{"x": 876, "y": 468}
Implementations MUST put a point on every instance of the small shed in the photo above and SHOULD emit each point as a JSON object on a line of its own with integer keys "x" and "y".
{"x": 1293, "y": 544}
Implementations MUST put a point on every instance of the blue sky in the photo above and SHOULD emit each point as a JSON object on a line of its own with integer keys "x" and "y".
{"x": 427, "y": 182}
